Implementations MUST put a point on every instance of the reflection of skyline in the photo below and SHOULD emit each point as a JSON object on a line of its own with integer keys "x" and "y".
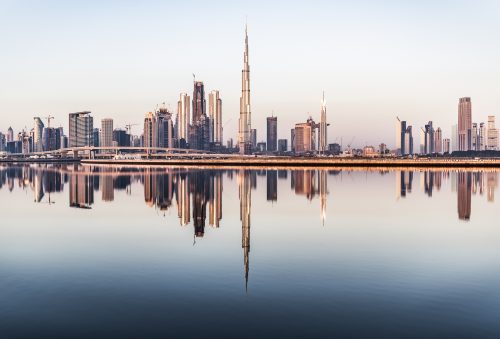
{"x": 244, "y": 183}
{"x": 197, "y": 194}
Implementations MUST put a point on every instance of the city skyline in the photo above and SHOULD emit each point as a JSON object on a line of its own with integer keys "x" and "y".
{"x": 342, "y": 81}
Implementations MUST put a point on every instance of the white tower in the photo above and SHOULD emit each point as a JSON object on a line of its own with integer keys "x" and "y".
{"x": 245, "y": 125}
{"x": 322, "y": 127}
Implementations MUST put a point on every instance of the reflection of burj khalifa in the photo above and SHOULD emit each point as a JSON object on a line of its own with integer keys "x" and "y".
{"x": 244, "y": 181}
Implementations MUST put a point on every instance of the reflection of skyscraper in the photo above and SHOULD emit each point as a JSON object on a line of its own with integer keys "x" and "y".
{"x": 183, "y": 199}
{"x": 38, "y": 186}
{"x": 404, "y": 181}
{"x": 81, "y": 190}
{"x": 107, "y": 190}
{"x": 149, "y": 187}
{"x": 323, "y": 192}
{"x": 245, "y": 209}
{"x": 303, "y": 183}
{"x": 215, "y": 202}
{"x": 200, "y": 190}
{"x": 428, "y": 183}
{"x": 272, "y": 185}
{"x": 491, "y": 185}
{"x": 464, "y": 195}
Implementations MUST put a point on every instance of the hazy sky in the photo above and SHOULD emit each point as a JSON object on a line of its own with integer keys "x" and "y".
{"x": 374, "y": 59}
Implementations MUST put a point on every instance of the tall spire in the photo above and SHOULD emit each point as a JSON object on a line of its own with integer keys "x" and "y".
{"x": 323, "y": 126}
{"x": 245, "y": 127}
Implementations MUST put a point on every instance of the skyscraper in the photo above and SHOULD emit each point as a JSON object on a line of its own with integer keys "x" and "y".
{"x": 323, "y": 127}
{"x": 454, "y": 138}
{"x": 438, "y": 141}
{"x": 408, "y": 141}
{"x": 37, "y": 136}
{"x": 245, "y": 125}
{"x": 429, "y": 138}
{"x": 253, "y": 138}
{"x": 106, "y": 133}
{"x": 199, "y": 130}
{"x": 272, "y": 134}
{"x": 464, "y": 124}
{"x": 150, "y": 130}
{"x": 183, "y": 115}
{"x": 10, "y": 134}
{"x": 475, "y": 137}
{"x": 482, "y": 136}
{"x": 492, "y": 134}
{"x": 303, "y": 138}
{"x": 215, "y": 115}
{"x": 81, "y": 126}
{"x": 199, "y": 103}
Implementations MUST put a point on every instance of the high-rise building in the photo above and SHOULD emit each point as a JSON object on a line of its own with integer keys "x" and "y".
{"x": 165, "y": 129}
{"x": 482, "y": 136}
{"x": 215, "y": 115}
{"x": 51, "y": 138}
{"x": 292, "y": 139}
{"x": 121, "y": 138}
{"x": 199, "y": 129}
{"x": 81, "y": 126}
{"x": 438, "y": 141}
{"x": 150, "y": 130}
{"x": 464, "y": 124}
{"x": 408, "y": 141}
{"x": 401, "y": 131}
{"x": 446, "y": 146}
{"x": 475, "y": 137}
{"x": 303, "y": 138}
{"x": 429, "y": 139}
{"x": 282, "y": 145}
{"x": 454, "y": 138}
{"x": 253, "y": 138}
{"x": 106, "y": 137}
{"x": 38, "y": 134}
{"x": 10, "y": 134}
{"x": 272, "y": 134}
{"x": 323, "y": 136}
{"x": 245, "y": 124}
{"x": 492, "y": 134}
{"x": 183, "y": 115}
{"x": 199, "y": 103}
{"x": 3, "y": 142}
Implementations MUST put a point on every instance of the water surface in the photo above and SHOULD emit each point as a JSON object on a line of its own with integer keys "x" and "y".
{"x": 157, "y": 252}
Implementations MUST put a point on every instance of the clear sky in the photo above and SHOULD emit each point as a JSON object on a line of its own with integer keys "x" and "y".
{"x": 373, "y": 59}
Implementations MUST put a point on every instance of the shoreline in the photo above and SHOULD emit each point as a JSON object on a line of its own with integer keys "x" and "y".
{"x": 304, "y": 162}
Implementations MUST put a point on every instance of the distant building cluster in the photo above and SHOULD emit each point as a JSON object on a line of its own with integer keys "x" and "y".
{"x": 465, "y": 135}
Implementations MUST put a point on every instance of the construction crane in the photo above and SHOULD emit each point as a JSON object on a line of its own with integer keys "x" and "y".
{"x": 128, "y": 127}
{"x": 48, "y": 120}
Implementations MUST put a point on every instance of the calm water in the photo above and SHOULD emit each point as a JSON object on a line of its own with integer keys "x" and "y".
{"x": 158, "y": 252}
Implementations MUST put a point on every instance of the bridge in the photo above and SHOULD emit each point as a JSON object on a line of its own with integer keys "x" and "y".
{"x": 92, "y": 152}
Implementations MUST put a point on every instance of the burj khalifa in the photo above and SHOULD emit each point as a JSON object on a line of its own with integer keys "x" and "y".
{"x": 245, "y": 122}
